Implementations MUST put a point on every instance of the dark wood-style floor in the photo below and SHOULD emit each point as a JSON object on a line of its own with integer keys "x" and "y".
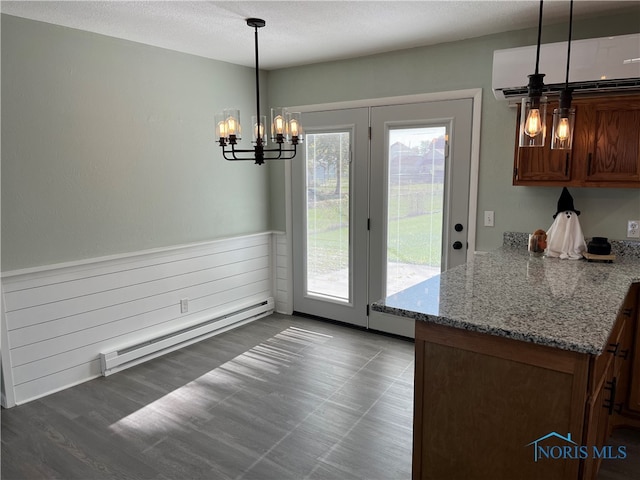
{"x": 280, "y": 398}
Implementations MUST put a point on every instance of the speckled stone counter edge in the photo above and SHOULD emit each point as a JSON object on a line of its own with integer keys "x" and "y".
{"x": 499, "y": 332}
{"x": 590, "y": 341}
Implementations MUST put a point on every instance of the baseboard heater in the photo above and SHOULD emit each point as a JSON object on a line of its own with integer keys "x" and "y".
{"x": 126, "y": 357}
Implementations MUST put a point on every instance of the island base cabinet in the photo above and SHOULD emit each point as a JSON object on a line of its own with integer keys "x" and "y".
{"x": 482, "y": 402}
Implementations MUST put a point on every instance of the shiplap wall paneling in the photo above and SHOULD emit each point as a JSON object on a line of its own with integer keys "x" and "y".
{"x": 58, "y": 321}
{"x": 283, "y": 279}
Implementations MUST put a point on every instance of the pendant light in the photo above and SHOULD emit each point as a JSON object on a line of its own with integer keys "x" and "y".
{"x": 533, "y": 112}
{"x": 285, "y": 125}
{"x": 564, "y": 116}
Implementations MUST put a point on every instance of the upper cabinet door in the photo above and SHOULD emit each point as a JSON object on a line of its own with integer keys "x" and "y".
{"x": 606, "y": 148}
{"x": 613, "y": 143}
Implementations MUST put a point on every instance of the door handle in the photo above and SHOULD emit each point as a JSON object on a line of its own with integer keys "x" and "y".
{"x": 457, "y": 245}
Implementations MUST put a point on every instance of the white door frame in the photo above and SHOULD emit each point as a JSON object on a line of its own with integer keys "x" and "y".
{"x": 473, "y": 93}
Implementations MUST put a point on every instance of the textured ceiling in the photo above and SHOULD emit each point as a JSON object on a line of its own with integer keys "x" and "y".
{"x": 300, "y": 32}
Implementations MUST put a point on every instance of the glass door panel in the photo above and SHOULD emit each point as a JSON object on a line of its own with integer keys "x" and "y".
{"x": 415, "y": 205}
{"x": 419, "y": 197}
{"x": 329, "y": 188}
{"x": 328, "y": 258}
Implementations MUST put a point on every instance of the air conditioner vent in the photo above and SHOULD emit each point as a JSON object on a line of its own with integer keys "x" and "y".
{"x": 615, "y": 59}
{"x": 604, "y": 86}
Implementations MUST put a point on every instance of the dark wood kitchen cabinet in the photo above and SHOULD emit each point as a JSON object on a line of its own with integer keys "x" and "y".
{"x": 605, "y": 153}
{"x": 480, "y": 400}
{"x": 609, "y": 383}
{"x": 632, "y": 376}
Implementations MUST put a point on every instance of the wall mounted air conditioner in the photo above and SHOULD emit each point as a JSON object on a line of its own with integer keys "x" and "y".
{"x": 608, "y": 64}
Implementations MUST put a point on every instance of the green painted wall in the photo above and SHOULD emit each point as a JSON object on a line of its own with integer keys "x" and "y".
{"x": 456, "y": 66}
{"x": 108, "y": 147}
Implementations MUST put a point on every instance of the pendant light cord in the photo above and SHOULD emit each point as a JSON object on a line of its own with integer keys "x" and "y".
{"x": 539, "y": 37}
{"x": 566, "y": 82}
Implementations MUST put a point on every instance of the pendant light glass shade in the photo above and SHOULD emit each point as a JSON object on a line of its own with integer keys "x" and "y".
{"x": 295, "y": 132}
{"x": 533, "y": 114}
{"x": 533, "y": 128}
{"x": 564, "y": 118}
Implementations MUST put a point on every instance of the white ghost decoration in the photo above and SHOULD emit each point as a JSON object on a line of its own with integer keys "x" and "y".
{"x": 565, "y": 238}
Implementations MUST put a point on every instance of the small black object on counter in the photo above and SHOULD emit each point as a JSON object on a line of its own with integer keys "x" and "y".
{"x": 599, "y": 246}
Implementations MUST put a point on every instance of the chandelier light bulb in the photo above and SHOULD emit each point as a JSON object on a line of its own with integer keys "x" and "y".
{"x": 293, "y": 126}
{"x": 259, "y": 130}
{"x": 232, "y": 125}
{"x": 221, "y": 127}
{"x": 278, "y": 125}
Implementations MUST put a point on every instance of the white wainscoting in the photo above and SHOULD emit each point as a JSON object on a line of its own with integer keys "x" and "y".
{"x": 282, "y": 281}
{"x": 56, "y": 320}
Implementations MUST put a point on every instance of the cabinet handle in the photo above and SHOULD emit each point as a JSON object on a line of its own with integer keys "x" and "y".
{"x": 624, "y": 354}
{"x": 627, "y": 312}
{"x": 610, "y": 403}
{"x": 613, "y": 348}
{"x": 566, "y": 165}
{"x": 589, "y": 164}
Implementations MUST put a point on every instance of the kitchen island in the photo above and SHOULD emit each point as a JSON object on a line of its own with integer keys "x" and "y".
{"x": 523, "y": 365}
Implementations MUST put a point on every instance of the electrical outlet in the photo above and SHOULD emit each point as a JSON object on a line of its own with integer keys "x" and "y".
{"x": 184, "y": 305}
{"x": 488, "y": 218}
{"x": 633, "y": 229}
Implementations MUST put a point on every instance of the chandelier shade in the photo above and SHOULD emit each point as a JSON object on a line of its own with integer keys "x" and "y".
{"x": 286, "y": 128}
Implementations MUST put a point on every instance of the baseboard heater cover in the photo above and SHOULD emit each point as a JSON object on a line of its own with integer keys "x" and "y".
{"x": 116, "y": 360}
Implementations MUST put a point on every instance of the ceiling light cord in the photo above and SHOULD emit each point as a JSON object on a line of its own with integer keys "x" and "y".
{"x": 539, "y": 37}
{"x": 566, "y": 81}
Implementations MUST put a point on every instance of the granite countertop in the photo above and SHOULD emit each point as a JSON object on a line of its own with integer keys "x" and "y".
{"x": 566, "y": 304}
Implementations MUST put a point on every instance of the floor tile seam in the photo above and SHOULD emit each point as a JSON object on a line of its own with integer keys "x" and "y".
{"x": 295, "y": 427}
{"x": 323, "y": 458}
{"x": 155, "y": 444}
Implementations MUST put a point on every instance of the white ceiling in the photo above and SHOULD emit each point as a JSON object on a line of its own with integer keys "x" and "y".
{"x": 303, "y": 31}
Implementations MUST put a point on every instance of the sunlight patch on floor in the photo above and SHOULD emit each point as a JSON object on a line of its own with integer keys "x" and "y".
{"x": 195, "y": 398}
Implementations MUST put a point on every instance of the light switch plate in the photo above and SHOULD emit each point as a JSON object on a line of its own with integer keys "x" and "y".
{"x": 488, "y": 218}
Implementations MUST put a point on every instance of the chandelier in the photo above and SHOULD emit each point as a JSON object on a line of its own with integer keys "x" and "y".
{"x": 286, "y": 129}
